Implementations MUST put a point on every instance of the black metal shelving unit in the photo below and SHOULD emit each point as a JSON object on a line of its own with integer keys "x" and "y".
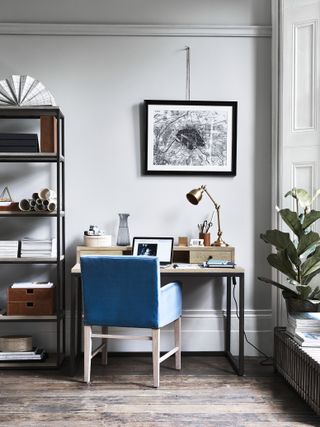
{"x": 54, "y": 359}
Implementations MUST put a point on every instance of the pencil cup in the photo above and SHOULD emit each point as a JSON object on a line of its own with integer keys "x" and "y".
{"x": 206, "y": 238}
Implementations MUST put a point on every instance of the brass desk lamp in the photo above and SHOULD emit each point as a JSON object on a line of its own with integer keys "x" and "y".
{"x": 194, "y": 197}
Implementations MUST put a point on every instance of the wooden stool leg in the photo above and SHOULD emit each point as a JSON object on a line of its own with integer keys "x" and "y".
{"x": 87, "y": 353}
{"x": 156, "y": 357}
{"x": 177, "y": 342}
{"x": 104, "y": 354}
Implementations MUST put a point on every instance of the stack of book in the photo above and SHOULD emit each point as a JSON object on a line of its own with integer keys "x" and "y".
{"x": 18, "y": 356}
{"x": 19, "y": 143}
{"x": 305, "y": 328}
{"x": 308, "y": 339}
{"x": 32, "y": 285}
{"x": 218, "y": 263}
{"x": 9, "y": 248}
{"x": 38, "y": 248}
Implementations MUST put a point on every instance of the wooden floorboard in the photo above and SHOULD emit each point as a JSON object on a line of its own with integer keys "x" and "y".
{"x": 204, "y": 393}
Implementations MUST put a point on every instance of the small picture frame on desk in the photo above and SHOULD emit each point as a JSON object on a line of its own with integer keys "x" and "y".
{"x": 191, "y": 137}
{"x": 196, "y": 242}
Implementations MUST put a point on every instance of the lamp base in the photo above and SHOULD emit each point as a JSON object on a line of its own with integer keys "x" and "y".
{"x": 220, "y": 243}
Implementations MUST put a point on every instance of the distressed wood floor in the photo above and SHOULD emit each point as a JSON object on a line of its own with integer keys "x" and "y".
{"x": 205, "y": 393}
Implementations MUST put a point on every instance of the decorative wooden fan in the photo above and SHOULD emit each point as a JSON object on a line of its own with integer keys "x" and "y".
{"x": 24, "y": 91}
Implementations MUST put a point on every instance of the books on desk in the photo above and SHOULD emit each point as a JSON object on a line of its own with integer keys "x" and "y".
{"x": 218, "y": 263}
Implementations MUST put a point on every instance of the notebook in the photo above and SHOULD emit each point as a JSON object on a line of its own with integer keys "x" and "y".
{"x": 161, "y": 247}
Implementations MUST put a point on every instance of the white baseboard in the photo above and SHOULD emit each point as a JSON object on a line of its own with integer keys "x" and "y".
{"x": 202, "y": 330}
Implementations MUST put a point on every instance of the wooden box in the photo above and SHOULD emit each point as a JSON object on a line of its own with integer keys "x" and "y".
{"x": 48, "y": 134}
{"x": 30, "y": 301}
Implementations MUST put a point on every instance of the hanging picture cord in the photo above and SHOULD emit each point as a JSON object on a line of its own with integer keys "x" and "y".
{"x": 188, "y": 73}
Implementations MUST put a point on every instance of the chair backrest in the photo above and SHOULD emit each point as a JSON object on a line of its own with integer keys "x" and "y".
{"x": 120, "y": 290}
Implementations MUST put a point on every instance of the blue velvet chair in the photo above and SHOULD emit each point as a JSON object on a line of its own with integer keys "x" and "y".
{"x": 124, "y": 291}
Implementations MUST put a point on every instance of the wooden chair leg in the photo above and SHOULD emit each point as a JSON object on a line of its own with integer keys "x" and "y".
{"x": 177, "y": 342}
{"x": 156, "y": 357}
{"x": 104, "y": 354}
{"x": 87, "y": 353}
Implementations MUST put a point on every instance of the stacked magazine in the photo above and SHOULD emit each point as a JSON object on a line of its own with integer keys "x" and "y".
{"x": 38, "y": 248}
{"x": 18, "y": 356}
{"x": 9, "y": 248}
{"x": 305, "y": 328}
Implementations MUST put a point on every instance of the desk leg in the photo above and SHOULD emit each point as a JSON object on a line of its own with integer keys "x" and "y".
{"x": 236, "y": 362}
{"x": 79, "y": 319}
{"x": 227, "y": 338}
{"x": 241, "y": 325}
{"x": 73, "y": 292}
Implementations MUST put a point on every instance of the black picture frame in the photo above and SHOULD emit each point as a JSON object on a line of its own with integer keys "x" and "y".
{"x": 191, "y": 137}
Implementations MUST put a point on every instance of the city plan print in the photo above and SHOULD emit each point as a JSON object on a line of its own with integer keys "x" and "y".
{"x": 191, "y": 138}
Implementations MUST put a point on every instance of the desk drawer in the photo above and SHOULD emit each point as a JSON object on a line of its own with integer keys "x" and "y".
{"x": 202, "y": 255}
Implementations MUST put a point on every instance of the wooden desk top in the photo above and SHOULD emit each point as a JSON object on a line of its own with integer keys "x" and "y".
{"x": 186, "y": 269}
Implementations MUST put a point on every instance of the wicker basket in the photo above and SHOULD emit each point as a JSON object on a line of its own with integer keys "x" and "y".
{"x": 15, "y": 343}
{"x": 97, "y": 241}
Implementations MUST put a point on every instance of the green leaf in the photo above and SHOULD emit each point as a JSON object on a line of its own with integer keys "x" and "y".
{"x": 311, "y": 264}
{"x": 304, "y": 291}
{"x": 307, "y": 241}
{"x": 281, "y": 262}
{"x": 281, "y": 241}
{"x": 310, "y": 218}
{"x": 292, "y": 220}
{"x": 315, "y": 294}
{"x": 306, "y": 278}
{"x": 278, "y": 285}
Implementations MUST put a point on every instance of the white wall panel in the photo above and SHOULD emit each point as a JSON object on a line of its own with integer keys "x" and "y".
{"x": 304, "y": 76}
{"x": 297, "y": 134}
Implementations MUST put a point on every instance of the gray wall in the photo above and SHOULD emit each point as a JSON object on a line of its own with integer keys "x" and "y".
{"x": 100, "y": 83}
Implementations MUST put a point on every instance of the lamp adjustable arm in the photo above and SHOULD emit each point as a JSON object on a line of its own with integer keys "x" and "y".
{"x": 217, "y": 207}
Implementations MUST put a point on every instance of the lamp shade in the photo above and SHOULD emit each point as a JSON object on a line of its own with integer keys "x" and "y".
{"x": 194, "y": 196}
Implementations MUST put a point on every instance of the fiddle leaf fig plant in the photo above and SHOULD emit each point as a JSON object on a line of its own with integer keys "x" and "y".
{"x": 297, "y": 253}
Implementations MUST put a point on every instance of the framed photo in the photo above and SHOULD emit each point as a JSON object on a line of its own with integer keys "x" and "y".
{"x": 191, "y": 137}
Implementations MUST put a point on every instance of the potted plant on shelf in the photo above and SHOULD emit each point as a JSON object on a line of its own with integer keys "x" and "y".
{"x": 297, "y": 255}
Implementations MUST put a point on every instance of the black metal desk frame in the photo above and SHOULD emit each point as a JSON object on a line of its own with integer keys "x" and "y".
{"x": 235, "y": 275}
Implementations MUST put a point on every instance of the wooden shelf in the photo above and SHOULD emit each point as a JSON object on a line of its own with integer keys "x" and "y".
{"x": 30, "y": 157}
{"x": 30, "y": 260}
{"x": 48, "y": 318}
{"x": 30, "y": 214}
{"x": 50, "y": 362}
{"x": 15, "y": 112}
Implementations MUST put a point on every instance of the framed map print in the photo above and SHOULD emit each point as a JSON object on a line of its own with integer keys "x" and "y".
{"x": 191, "y": 137}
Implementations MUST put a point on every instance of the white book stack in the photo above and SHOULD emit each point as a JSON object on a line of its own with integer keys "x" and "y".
{"x": 9, "y": 248}
{"x": 308, "y": 339}
{"x": 14, "y": 356}
{"x": 305, "y": 328}
{"x": 38, "y": 248}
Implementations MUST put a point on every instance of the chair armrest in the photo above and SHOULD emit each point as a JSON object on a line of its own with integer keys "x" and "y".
{"x": 170, "y": 303}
